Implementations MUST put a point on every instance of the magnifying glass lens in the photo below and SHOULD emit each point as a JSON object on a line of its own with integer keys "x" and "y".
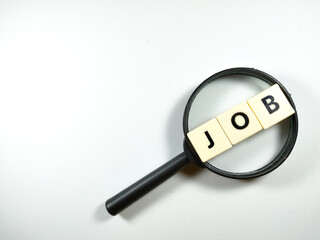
{"x": 222, "y": 94}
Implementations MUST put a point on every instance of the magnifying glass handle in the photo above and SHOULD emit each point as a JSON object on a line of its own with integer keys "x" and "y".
{"x": 132, "y": 193}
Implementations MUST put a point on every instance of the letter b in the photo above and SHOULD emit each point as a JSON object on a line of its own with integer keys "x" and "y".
{"x": 270, "y": 103}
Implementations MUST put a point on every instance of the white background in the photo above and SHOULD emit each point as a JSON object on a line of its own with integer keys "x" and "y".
{"x": 91, "y": 99}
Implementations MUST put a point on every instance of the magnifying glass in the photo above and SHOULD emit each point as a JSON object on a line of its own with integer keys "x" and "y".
{"x": 209, "y": 133}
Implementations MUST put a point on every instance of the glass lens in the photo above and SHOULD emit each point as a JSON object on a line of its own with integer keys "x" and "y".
{"x": 253, "y": 152}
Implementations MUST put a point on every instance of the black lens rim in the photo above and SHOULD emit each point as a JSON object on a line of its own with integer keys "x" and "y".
{"x": 281, "y": 156}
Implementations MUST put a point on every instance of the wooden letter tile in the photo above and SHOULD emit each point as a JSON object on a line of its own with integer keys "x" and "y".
{"x": 239, "y": 123}
{"x": 209, "y": 140}
{"x": 271, "y": 106}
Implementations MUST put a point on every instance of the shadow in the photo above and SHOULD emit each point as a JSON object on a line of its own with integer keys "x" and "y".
{"x": 101, "y": 214}
{"x": 191, "y": 170}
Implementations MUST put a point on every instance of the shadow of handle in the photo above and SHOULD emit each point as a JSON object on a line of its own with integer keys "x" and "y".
{"x": 137, "y": 190}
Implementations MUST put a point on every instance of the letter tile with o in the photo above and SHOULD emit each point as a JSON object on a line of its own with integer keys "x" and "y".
{"x": 239, "y": 123}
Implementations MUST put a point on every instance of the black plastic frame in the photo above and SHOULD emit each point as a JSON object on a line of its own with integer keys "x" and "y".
{"x": 273, "y": 164}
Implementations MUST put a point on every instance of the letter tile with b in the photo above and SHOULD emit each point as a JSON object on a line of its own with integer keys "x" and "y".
{"x": 239, "y": 123}
{"x": 209, "y": 140}
{"x": 271, "y": 106}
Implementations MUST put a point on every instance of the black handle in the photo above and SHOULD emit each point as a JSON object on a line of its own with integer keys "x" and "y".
{"x": 137, "y": 190}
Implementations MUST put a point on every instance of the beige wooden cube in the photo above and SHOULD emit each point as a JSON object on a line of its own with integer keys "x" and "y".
{"x": 271, "y": 106}
{"x": 209, "y": 140}
{"x": 239, "y": 123}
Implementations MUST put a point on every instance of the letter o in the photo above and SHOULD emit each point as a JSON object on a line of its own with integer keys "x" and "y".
{"x": 246, "y": 120}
